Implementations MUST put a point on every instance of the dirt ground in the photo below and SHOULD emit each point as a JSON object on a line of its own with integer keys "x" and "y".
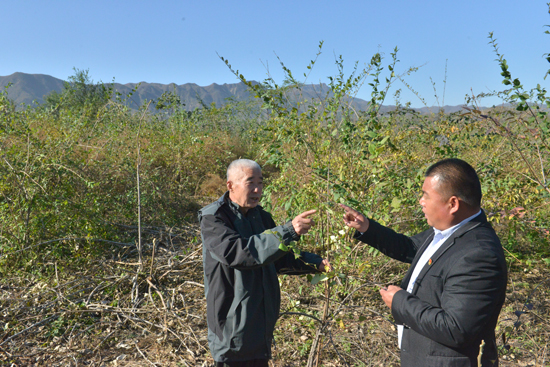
{"x": 120, "y": 312}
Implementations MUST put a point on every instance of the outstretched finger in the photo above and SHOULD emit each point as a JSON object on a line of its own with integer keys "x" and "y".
{"x": 307, "y": 214}
{"x": 348, "y": 209}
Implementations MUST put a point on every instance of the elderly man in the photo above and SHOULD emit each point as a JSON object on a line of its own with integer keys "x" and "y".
{"x": 451, "y": 296}
{"x": 241, "y": 258}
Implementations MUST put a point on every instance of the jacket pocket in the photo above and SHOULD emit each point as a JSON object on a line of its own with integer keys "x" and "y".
{"x": 447, "y": 361}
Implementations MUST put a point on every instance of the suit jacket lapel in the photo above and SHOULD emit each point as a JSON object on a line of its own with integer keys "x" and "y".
{"x": 475, "y": 222}
{"x": 423, "y": 247}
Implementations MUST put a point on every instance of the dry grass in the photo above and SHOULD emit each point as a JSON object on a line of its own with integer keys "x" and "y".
{"x": 116, "y": 312}
{"x": 213, "y": 185}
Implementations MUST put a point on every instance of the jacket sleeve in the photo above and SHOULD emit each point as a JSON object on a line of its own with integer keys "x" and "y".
{"x": 228, "y": 247}
{"x": 469, "y": 296}
{"x": 392, "y": 244}
{"x": 307, "y": 263}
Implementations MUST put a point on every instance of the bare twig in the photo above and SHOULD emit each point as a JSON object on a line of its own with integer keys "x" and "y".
{"x": 143, "y": 355}
{"x": 29, "y": 328}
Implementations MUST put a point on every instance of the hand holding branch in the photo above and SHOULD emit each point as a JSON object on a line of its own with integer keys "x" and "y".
{"x": 324, "y": 266}
{"x": 387, "y": 294}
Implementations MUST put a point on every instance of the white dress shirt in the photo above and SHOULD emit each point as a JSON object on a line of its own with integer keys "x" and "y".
{"x": 439, "y": 238}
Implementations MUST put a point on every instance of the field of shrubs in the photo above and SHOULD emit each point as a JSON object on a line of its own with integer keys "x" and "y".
{"x": 100, "y": 250}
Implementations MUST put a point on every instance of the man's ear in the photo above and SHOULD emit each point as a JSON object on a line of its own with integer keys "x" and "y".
{"x": 454, "y": 204}
{"x": 229, "y": 185}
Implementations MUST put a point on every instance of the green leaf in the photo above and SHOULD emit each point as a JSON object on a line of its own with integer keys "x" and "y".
{"x": 372, "y": 149}
{"x": 283, "y": 247}
{"x": 318, "y": 278}
{"x": 288, "y": 204}
{"x": 396, "y": 203}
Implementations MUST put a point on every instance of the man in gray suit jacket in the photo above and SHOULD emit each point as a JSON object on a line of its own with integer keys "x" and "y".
{"x": 449, "y": 301}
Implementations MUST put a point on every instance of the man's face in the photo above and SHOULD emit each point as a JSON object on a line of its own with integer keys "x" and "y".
{"x": 245, "y": 188}
{"x": 436, "y": 208}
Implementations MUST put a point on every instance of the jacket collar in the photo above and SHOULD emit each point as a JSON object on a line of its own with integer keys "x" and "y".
{"x": 235, "y": 208}
{"x": 480, "y": 219}
{"x": 466, "y": 227}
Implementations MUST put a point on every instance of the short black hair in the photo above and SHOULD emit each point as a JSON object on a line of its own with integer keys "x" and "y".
{"x": 457, "y": 178}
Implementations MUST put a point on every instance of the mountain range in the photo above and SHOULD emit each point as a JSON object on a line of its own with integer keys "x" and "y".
{"x": 28, "y": 88}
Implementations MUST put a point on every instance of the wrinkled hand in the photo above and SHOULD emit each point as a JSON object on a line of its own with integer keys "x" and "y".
{"x": 387, "y": 294}
{"x": 324, "y": 266}
{"x": 302, "y": 223}
{"x": 354, "y": 219}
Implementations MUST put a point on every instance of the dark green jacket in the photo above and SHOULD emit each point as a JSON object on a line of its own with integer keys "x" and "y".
{"x": 241, "y": 261}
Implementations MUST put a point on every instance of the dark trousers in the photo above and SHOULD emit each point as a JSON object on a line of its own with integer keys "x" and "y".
{"x": 250, "y": 363}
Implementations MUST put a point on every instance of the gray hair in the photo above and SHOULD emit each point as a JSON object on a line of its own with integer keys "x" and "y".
{"x": 240, "y": 164}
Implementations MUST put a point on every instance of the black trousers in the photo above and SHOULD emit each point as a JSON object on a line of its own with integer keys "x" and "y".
{"x": 250, "y": 363}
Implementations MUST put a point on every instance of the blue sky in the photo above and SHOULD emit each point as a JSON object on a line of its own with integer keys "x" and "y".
{"x": 179, "y": 41}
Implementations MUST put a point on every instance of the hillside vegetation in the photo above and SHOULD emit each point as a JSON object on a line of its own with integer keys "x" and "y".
{"x": 100, "y": 253}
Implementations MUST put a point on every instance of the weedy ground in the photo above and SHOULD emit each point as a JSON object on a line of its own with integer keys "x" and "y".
{"x": 116, "y": 312}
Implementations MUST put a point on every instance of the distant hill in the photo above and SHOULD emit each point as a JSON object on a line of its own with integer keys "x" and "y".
{"x": 27, "y": 88}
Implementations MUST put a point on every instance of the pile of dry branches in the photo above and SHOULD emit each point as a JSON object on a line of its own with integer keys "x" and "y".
{"x": 119, "y": 311}
{"x": 115, "y": 310}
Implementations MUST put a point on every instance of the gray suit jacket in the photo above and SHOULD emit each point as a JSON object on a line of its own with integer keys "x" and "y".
{"x": 456, "y": 299}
